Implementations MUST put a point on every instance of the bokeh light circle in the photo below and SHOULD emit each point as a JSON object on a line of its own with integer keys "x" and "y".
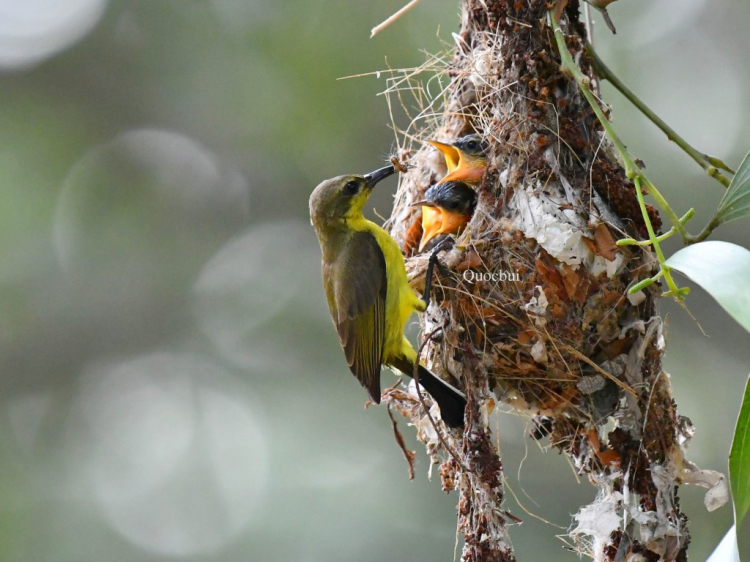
{"x": 34, "y": 30}
{"x": 141, "y": 184}
{"x": 172, "y": 448}
{"x": 252, "y": 279}
{"x": 138, "y": 216}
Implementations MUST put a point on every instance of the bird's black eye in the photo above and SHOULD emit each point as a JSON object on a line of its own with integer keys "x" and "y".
{"x": 472, "y": 145}
{"x": 453, "y": 205}
{"x": 351, "y": 187}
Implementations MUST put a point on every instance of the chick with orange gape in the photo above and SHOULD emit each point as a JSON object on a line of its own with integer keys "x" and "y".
{"x": 368, "y": 294}
{"x": 449, "y": 204}
{"x": 446, "y": 208}
{"x": 466, "y": 159}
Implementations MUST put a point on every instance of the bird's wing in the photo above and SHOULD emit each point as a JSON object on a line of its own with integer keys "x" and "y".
{"x": 359, "y": 287}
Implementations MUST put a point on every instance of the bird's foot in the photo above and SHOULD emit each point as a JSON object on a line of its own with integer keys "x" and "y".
{"x": 434, "y": 262}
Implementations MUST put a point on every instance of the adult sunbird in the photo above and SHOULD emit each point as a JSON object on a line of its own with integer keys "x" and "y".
{"x": 446, "y": 208}
{"x": 370, "y": 300}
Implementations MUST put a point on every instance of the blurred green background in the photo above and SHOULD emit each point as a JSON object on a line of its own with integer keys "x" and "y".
{"x": 172, "y": 388}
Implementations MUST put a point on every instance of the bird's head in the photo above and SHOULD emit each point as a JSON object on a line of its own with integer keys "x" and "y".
{"x": 343, "y": 197}
{"x": 466, "y": 159}
{"x": 472, "y": 147}
{"x": 446, "y": 208}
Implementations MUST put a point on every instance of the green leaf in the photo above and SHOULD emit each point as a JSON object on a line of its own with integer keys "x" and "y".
{"x": 723, "y": 270}
{"x": 739, "y": 461}
{"x": 736, "y": 201}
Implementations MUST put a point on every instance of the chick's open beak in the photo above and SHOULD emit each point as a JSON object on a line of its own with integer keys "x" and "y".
{"x": 436, "y": 220}
{"x": 451, "y": 154}
{"x": 467, "y": 172}
{"x": 461, "y": 166}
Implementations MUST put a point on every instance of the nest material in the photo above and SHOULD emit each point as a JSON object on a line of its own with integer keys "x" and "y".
{"x": 553, "y": 333}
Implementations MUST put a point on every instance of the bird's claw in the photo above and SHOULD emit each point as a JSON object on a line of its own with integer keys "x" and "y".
{"x": 433, "y": 262}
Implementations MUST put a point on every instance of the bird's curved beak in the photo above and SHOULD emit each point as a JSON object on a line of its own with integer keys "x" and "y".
{"x": 439, "y": 221}
{"x": 373, "y": 178}
{"x": 450, "y": 153}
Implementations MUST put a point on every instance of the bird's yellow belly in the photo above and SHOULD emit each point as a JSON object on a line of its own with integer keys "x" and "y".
{"x": 401, "y": 301}
{"x": 398, "y": 311}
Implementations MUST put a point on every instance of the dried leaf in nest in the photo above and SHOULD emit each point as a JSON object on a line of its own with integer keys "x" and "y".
{"x": 576, "y": 283}
{"x": 605, "y": 244}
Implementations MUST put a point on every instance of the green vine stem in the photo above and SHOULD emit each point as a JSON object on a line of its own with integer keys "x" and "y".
{"x": 632, "y": 171}
{"x": 633, "y": 242}
{"x": 710, "y": 164}
{"x": 645, "y": 283}
{"x": 673, "y": 289}
{"x": 713, "y": 223}
{"x": 659, "y": 199}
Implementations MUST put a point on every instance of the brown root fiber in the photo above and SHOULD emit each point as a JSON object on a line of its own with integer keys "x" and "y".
{"x": 535, "y": 311}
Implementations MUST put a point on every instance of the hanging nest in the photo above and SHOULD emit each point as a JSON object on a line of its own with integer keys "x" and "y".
{"x": 535, "y": 310}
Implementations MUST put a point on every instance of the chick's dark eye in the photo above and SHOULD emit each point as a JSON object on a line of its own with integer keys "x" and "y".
{"x": 351, "y": 187}
{"x": 453, "y": 205}
{"x": 472, "y": 145}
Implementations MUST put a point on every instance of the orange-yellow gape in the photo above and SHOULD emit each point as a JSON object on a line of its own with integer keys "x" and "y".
{"x": 449, "y": 204}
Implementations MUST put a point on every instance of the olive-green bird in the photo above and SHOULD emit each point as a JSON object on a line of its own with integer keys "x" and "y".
{"x": 367, "y": 291}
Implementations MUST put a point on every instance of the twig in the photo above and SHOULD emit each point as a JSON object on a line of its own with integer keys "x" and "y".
{"x": 710, "y": 164}
{"x": 380, "y": 27}
{"x": 408, "y": 455}
{"x": 712, "y": 224}
{"x": 677, "y": 222}
{"x": 588, "y": 22}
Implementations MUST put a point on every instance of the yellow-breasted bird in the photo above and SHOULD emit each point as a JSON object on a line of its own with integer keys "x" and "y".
{"x": 370, "y": 300}
{"x": 446, "y": 208}
{"x": 466, "y": 159}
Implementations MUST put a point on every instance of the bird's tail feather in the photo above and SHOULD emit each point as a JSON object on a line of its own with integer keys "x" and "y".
{"x": 452, "y": 402}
